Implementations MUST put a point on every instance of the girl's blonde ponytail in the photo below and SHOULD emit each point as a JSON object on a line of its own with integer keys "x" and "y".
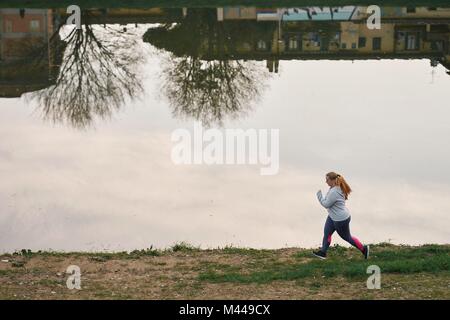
{"x": 340, "y": 181}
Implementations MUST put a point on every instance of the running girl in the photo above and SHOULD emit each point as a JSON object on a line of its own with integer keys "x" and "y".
{"x": 338, "y": 215}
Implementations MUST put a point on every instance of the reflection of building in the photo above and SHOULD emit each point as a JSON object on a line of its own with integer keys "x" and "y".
{"x": 406, "y": 13}
{"x": 341, "y": 32}
{"x": 23, "y": 32}
{"x": 20, "y": 27}
{"x": 287, "y": 14}
{"x": 273, "y": 34}
{"x": 30, "y": 49}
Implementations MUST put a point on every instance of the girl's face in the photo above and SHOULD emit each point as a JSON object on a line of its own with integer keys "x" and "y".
{"x": 330, "y": 182}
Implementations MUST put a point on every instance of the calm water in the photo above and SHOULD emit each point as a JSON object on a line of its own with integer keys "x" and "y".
{"x": 86, "y": 119}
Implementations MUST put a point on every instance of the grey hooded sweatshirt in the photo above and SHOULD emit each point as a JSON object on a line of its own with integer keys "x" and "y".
{"x": 334, "y": 202}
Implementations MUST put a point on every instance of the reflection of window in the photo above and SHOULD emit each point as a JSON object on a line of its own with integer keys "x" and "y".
{"x": 354, "y": 45}
{"x": 335, "y": 40}
{"x": 410, "y": 10}
{"x": 362, "y": 42}
{"x": 8, "y": 25}
{"x": 344, "y": 46}
{"x": 293, "y": 44}
{"x": 34, "y": 25}
{"x": 437, "y": 45}
{"x": 376, "y": 43}
{"x": 262, "y": 45}
{"x": 412, "y": 41}
{"x": 400, "y": 36}
{"x": 313, "y": 39}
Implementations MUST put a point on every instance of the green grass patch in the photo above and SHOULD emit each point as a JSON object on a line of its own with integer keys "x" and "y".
{"x": 9, "y": 272}
{"x": 49, "y": 282}
{"x": 391, "y": 260}
{"x": 259, "y": 253}
{"x": 184, "y": 247}
{"x": 93, "y": 256}
{"x": 221, "y": 267}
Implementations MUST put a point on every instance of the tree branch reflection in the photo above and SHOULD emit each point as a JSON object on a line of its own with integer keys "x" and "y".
{"x": 210, "y": 91}
{"x": 97, "y": 74}
{"x": 201, "y": 79}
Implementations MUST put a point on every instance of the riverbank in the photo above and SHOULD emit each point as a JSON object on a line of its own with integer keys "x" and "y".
{"x": 186, "y": 272}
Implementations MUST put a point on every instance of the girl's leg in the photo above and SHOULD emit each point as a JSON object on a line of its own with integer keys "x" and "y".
{"x": 343, "y": 229}
{"x": 327, "y": 233}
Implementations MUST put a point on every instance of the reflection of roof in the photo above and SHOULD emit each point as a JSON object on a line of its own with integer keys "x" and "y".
{"x": 319, "y": 14}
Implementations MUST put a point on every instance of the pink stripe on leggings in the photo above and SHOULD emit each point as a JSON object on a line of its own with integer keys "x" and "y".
{"x": 358, "y": 243}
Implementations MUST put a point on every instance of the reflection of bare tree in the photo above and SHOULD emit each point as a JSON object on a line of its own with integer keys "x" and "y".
{"x": 97, "y": 74}
{"x": 202, "y": 79}
{"x": 209, "y": 91}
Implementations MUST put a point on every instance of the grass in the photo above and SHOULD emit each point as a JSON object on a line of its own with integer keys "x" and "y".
{"x": 186, "y": 271}
{"x": 94, "y": 256}
{"x": 257, "y": 253}
{"x": 401, "y": 260}
{"x": 183, "y": 247}
{"x": 207, "y": 3}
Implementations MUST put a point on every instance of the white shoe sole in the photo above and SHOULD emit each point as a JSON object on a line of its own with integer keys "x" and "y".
{"x": 315, "y": 255}
{"x": 368, "y": 252}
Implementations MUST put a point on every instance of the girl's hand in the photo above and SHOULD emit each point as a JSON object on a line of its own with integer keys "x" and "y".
{"x": 319, "y": 193}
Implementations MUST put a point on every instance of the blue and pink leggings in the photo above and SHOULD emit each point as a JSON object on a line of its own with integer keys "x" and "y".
{"x": 343, "y": 229}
